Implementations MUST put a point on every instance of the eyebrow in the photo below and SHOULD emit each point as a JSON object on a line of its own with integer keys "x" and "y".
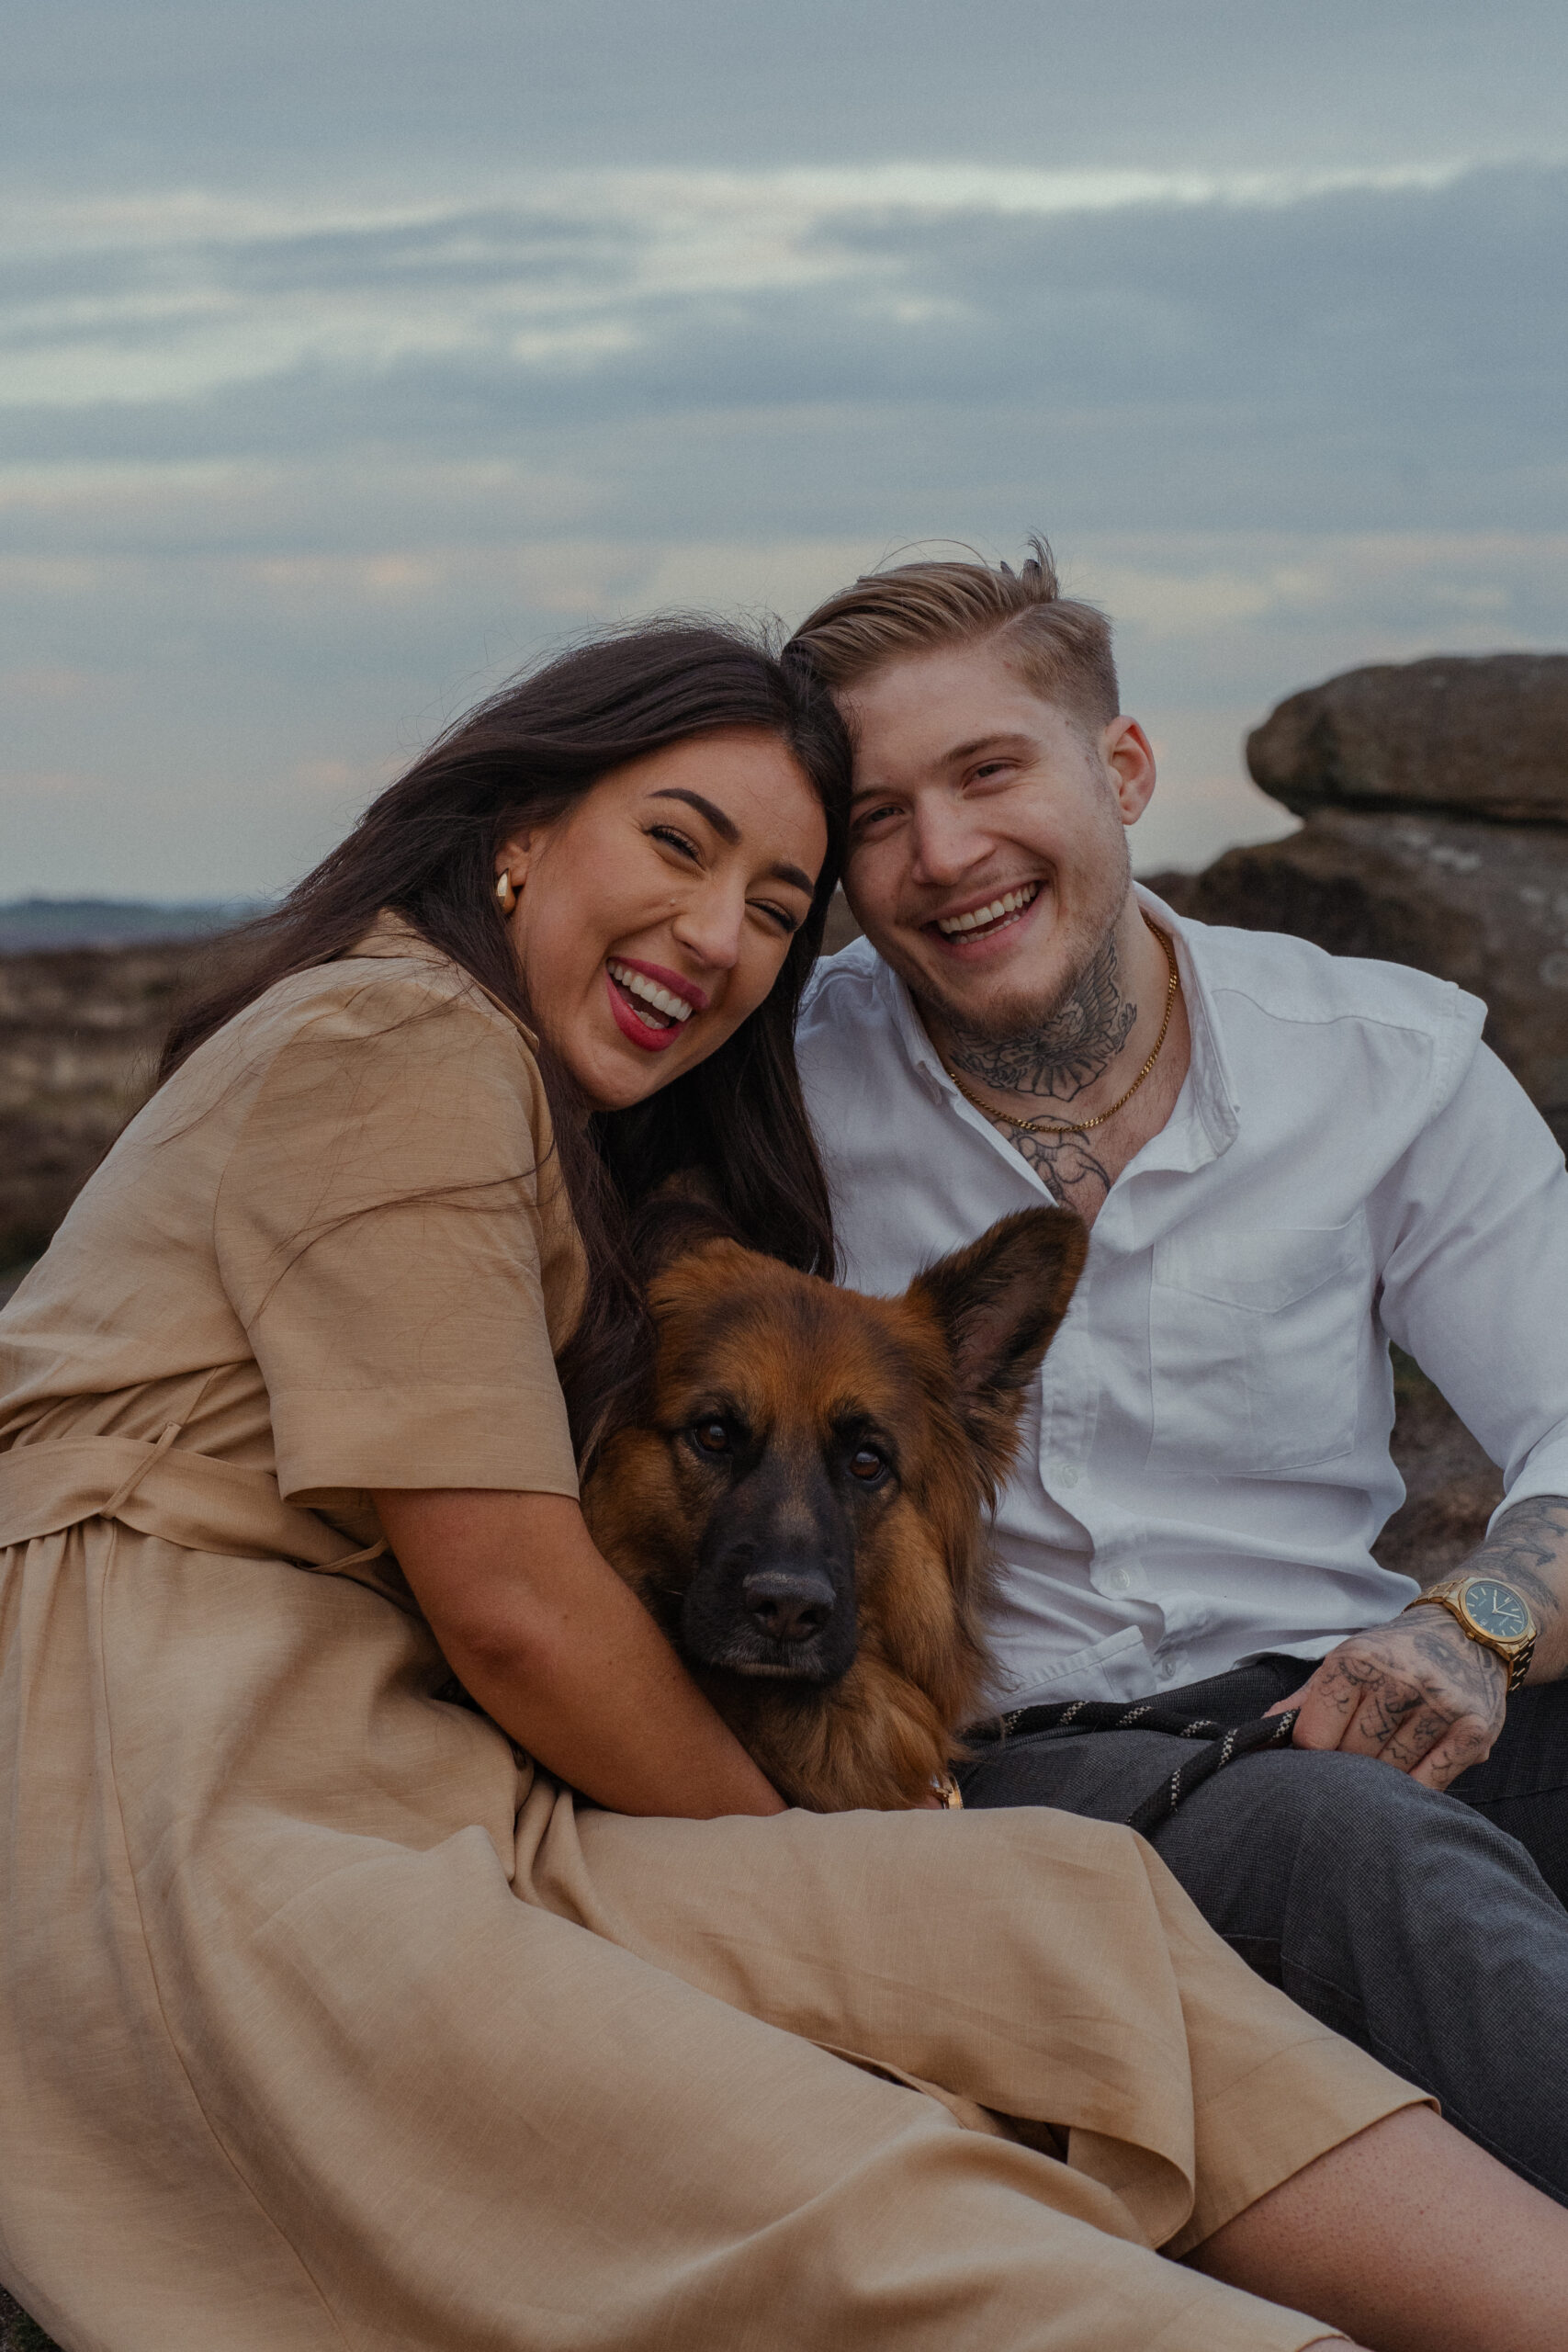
{"x": 725, "y": 827}
{"x": 984, "y": 744}
{"x": 729, "y": 831}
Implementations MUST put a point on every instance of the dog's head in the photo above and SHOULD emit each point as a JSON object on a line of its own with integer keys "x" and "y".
{"x": 802, "y": 1505}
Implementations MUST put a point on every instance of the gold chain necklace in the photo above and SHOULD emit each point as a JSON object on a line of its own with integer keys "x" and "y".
{"x": 1048, "y": 1126}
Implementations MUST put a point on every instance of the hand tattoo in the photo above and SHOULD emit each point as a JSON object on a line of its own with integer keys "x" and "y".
{"x": 1448, "y": 1659}
{"x": 1074, "y": 1043}
{"x": 1408, "y": 1685}
{"x": 1405, "y": 1691}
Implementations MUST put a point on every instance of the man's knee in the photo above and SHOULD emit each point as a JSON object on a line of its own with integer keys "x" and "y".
{"x": 1343, "y": 1817}
{"x": 1330, "y": 1788}
{"x": 1284, "y": 1820}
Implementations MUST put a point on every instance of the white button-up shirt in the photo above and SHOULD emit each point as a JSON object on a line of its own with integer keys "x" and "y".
{"x": 1205, "y": 1458}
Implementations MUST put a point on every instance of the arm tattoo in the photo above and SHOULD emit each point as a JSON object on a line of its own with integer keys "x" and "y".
{"x": 1528, "y": 1549}
{"x": 1079, "y": 1039}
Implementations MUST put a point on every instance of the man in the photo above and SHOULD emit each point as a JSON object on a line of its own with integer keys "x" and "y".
{"x": 1287, "y": 1159}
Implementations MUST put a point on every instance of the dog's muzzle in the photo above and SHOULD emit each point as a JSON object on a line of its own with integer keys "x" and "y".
{"x": 788, "y": 1608}
{"x": 782, "y": 1624}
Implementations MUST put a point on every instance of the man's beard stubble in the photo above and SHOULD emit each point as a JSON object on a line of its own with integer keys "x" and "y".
{"x": 1051, "y": 1051}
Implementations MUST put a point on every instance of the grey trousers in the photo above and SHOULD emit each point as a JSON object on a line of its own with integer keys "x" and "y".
{"x": 1406, "y": 1920}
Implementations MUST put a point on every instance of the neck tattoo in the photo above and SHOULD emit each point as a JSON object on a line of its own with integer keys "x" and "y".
{"x": 1076, "y": 1043}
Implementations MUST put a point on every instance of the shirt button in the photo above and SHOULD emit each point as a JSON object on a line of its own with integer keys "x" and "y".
{"x": 1119, "y": 1580}
{"x": 1165, "y": 1667}
{"x": 1065, "y": 1473}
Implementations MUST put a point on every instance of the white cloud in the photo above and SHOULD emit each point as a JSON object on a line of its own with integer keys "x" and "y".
{"x": 295, "y": 481}
{"x": 694, "y": 209}
{"x": 184, "y": 301}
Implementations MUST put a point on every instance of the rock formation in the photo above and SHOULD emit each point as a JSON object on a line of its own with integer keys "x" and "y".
{"x": 1434, "y": 796}
{"x": 1458, "y": 735}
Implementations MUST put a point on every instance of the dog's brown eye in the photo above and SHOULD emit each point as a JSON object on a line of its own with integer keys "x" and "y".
{"x": 711, "y": 1436}
{"x": 867, "y": 1464}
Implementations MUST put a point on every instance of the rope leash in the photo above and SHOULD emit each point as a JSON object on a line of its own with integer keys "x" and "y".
{"x": 1224, "y": 1743}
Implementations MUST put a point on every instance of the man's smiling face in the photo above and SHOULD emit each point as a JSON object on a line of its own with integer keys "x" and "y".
{"x": 988, "y": 855}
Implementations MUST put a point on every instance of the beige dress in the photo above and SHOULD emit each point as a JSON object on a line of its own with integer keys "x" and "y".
{"x": 327, "y": 2019}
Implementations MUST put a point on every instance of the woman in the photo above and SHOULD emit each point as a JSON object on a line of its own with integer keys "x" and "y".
{"x": 328, "y": 2015}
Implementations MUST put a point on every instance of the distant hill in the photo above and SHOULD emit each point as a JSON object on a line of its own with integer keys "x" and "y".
{"x": 113, "y": 922}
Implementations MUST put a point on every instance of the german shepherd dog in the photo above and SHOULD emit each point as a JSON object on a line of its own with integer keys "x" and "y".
{"x": 802, "y": 1501}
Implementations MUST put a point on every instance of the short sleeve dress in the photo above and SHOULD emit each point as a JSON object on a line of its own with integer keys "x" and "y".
{"x": 326, "y": 2018}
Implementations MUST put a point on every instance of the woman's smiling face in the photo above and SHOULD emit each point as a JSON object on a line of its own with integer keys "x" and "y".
{"x": 652, "y": 918}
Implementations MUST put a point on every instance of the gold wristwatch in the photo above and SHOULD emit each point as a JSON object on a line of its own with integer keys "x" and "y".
{"x": 1491, "y": 1614}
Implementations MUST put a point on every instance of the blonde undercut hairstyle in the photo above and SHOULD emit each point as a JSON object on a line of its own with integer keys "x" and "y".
{"x": 1059, "y": 648}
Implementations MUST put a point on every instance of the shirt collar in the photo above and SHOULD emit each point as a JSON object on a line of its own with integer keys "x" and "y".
{"x": 1209, "y": 1089}
{"x": 1209, "y": 1075}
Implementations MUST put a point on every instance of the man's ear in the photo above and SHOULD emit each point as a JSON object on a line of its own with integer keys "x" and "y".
{"x": 1130, "y": 763}
{"x": 999, "y": 1304}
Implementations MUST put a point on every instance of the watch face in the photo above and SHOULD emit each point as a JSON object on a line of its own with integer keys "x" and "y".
{"x": 1494, "y": 1609}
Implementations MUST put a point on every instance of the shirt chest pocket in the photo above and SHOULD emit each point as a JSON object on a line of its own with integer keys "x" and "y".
{"x": 1256, "y": 1345}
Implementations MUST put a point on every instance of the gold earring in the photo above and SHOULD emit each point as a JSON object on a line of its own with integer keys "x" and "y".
{"x": 505, "y": 893}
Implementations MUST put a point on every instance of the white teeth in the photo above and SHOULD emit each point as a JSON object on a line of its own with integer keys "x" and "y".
{"x": 635, "y": 984}
{"x": 1013, "y": 903}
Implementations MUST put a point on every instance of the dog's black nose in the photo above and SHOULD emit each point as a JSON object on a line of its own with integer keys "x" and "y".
{"x": 788, "y": 1604}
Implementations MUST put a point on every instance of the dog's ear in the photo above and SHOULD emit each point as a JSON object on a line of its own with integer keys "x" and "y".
{"x": 999, "y": 1303}
{"x": 674, "y": 1222}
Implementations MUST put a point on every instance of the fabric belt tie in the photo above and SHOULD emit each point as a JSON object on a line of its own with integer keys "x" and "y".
{"x": 191, "y": 1500}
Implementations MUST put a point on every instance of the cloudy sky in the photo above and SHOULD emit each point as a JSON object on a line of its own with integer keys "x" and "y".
{"x": 352, "y": 352}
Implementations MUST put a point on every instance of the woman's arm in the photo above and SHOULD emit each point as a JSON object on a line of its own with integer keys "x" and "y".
{"x": 541, "y": 1630}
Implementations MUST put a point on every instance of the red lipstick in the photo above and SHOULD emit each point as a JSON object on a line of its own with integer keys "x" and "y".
{"x": 652, "y": 1041}
{"x": 687, "y": 991}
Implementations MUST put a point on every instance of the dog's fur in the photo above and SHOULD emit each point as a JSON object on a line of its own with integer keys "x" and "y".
{"x": 802, "y": 1503}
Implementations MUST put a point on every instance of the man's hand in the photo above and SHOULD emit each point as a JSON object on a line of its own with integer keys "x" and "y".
{"x": 1419, "y": 1694}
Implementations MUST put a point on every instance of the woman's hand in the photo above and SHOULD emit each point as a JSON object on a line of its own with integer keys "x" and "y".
{"x": 541, "y": 1630}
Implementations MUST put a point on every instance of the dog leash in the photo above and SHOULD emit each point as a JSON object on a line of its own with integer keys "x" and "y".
{"x": 1225, "y": 1743}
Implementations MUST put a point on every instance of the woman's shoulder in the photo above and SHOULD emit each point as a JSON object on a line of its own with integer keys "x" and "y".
{"x": 393, "y": 1037}
{"x": 386, "y": 1074}
{"x": 394, "y": 1002}
{"x": 392, "y": 971}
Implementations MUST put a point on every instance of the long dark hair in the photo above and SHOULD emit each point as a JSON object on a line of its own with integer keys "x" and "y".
{"x": 426, "y": 849}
